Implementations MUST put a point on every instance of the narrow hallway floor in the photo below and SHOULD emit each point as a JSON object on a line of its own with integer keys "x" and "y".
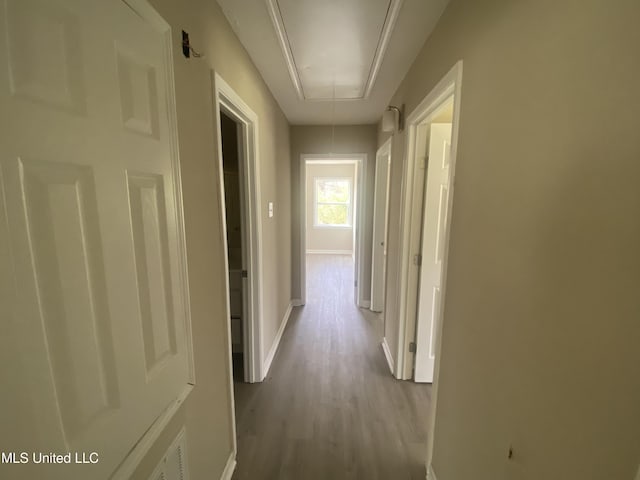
{"x": 329, "y": 408}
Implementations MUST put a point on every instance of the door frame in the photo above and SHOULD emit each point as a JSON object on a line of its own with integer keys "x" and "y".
{"x": 449, "y": 86}
{"x": 384, "y": 150}
{"x": 360, "y": 160}
{"x": 227, "y": 100}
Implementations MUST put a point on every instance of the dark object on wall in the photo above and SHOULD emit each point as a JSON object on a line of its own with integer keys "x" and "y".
{"x": 187, "y": 50}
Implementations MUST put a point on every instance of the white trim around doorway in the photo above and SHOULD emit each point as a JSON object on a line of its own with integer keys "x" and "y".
{"x": 360, "y": 160}
{"x": 227, "y": 100}
{"x": 449, "y": 86}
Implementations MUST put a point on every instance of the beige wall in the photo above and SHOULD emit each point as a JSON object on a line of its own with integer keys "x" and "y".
{"x": 207, "y": 411}
{"x": 337, "y": 140}
{"x": 319, "y": 238}
{"x": 541, "y": 334}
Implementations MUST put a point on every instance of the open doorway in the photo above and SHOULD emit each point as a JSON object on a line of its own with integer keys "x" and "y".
{"x": 433, "y": 142}
{"x": 234, "y": 201}
{"x": 432, "y": 133}
{"x": 426, "y": 216}
{"x": 331, "y": 224}
{"x": 237, "y": 140}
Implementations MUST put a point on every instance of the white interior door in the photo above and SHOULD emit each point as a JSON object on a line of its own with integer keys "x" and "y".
{"x": 380, "y": 216}
{"x": 93, "y": 338}
{"x": 355, "y": 232}
{"x": 434, "y": 236}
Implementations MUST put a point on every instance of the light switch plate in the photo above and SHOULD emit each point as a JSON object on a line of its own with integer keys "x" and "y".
{"x": 270, "y": 209}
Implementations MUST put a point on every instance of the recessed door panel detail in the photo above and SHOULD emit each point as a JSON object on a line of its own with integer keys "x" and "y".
{"x": 433, "y": 245}
{"x": 44, "y": 53}
{"x": 442, "y": 218}
{"x": 67, "y": 262}
{"x": 149, "y": 227}
{"x": 435, "y": 305}
{"x": 138, "y": 94}
{"x": 446, "y": 157}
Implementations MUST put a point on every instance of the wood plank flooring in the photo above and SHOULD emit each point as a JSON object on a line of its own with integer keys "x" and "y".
{"x": 329, "y": 408}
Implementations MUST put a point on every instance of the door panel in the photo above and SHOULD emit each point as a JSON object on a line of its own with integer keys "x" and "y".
{"x": 148, "y": 220}
{"x": 43, "y": 55}
{"x": 434, "y": 222}
{"x": 64, "y": 241}
{"x": 138, "y": 95}
{"x": 380, "y": 216}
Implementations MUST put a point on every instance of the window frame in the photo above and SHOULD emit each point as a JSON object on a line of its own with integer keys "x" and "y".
{"x": 348, "y": 203}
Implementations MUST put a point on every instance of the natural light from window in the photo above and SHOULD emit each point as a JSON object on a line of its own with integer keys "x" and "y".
{"x": 333, "y": 202}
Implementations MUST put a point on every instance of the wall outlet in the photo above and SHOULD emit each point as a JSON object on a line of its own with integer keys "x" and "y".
{"x": 270, "y": 209}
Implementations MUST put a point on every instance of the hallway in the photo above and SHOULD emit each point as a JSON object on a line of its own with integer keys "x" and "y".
{"x": 329, "y": 407}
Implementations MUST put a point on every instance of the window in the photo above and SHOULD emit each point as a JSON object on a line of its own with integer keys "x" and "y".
{"x": 332, "y": 202}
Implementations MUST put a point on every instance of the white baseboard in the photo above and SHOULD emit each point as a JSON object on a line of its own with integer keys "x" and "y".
{"x": 331, "y": 252}
{"x": 229, "y": 467}
{"x": 387, "y": 354}
{"x": 431, "y": 475}
{"x": 276, "y": 342}
{"x": 296, "y": 302}
{"x": 365, "y": 303}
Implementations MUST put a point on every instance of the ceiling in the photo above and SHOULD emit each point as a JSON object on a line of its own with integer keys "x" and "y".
{"x": 333, "y": 61}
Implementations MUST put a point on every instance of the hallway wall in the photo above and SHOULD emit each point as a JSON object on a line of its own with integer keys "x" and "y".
{"x": 322, "y": 140}
{"x": 207, "y": 411}
{"x": 541, "y": 328}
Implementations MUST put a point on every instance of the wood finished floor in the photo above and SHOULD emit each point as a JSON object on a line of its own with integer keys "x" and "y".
{"x": 329, "y": 408}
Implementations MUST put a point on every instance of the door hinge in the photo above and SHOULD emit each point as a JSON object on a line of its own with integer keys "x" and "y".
{"x": 412, "y": 347}
{"x": 245, "y": 274}
{"x": 417, "y": 259}
{"x": 355, "y": 283}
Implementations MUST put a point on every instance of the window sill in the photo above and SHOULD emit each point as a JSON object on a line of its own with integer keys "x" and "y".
{"x": 333, "y": 227}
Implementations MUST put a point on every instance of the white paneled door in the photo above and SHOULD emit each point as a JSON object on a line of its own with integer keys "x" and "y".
{"x": 436, "y": 200}
{"x": 92, "y": 277}
{"x": 380, "y": 216}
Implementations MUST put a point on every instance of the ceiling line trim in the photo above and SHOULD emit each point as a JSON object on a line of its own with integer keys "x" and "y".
{"x": 383, "y": 43}
{"x": 283, "y": 40}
